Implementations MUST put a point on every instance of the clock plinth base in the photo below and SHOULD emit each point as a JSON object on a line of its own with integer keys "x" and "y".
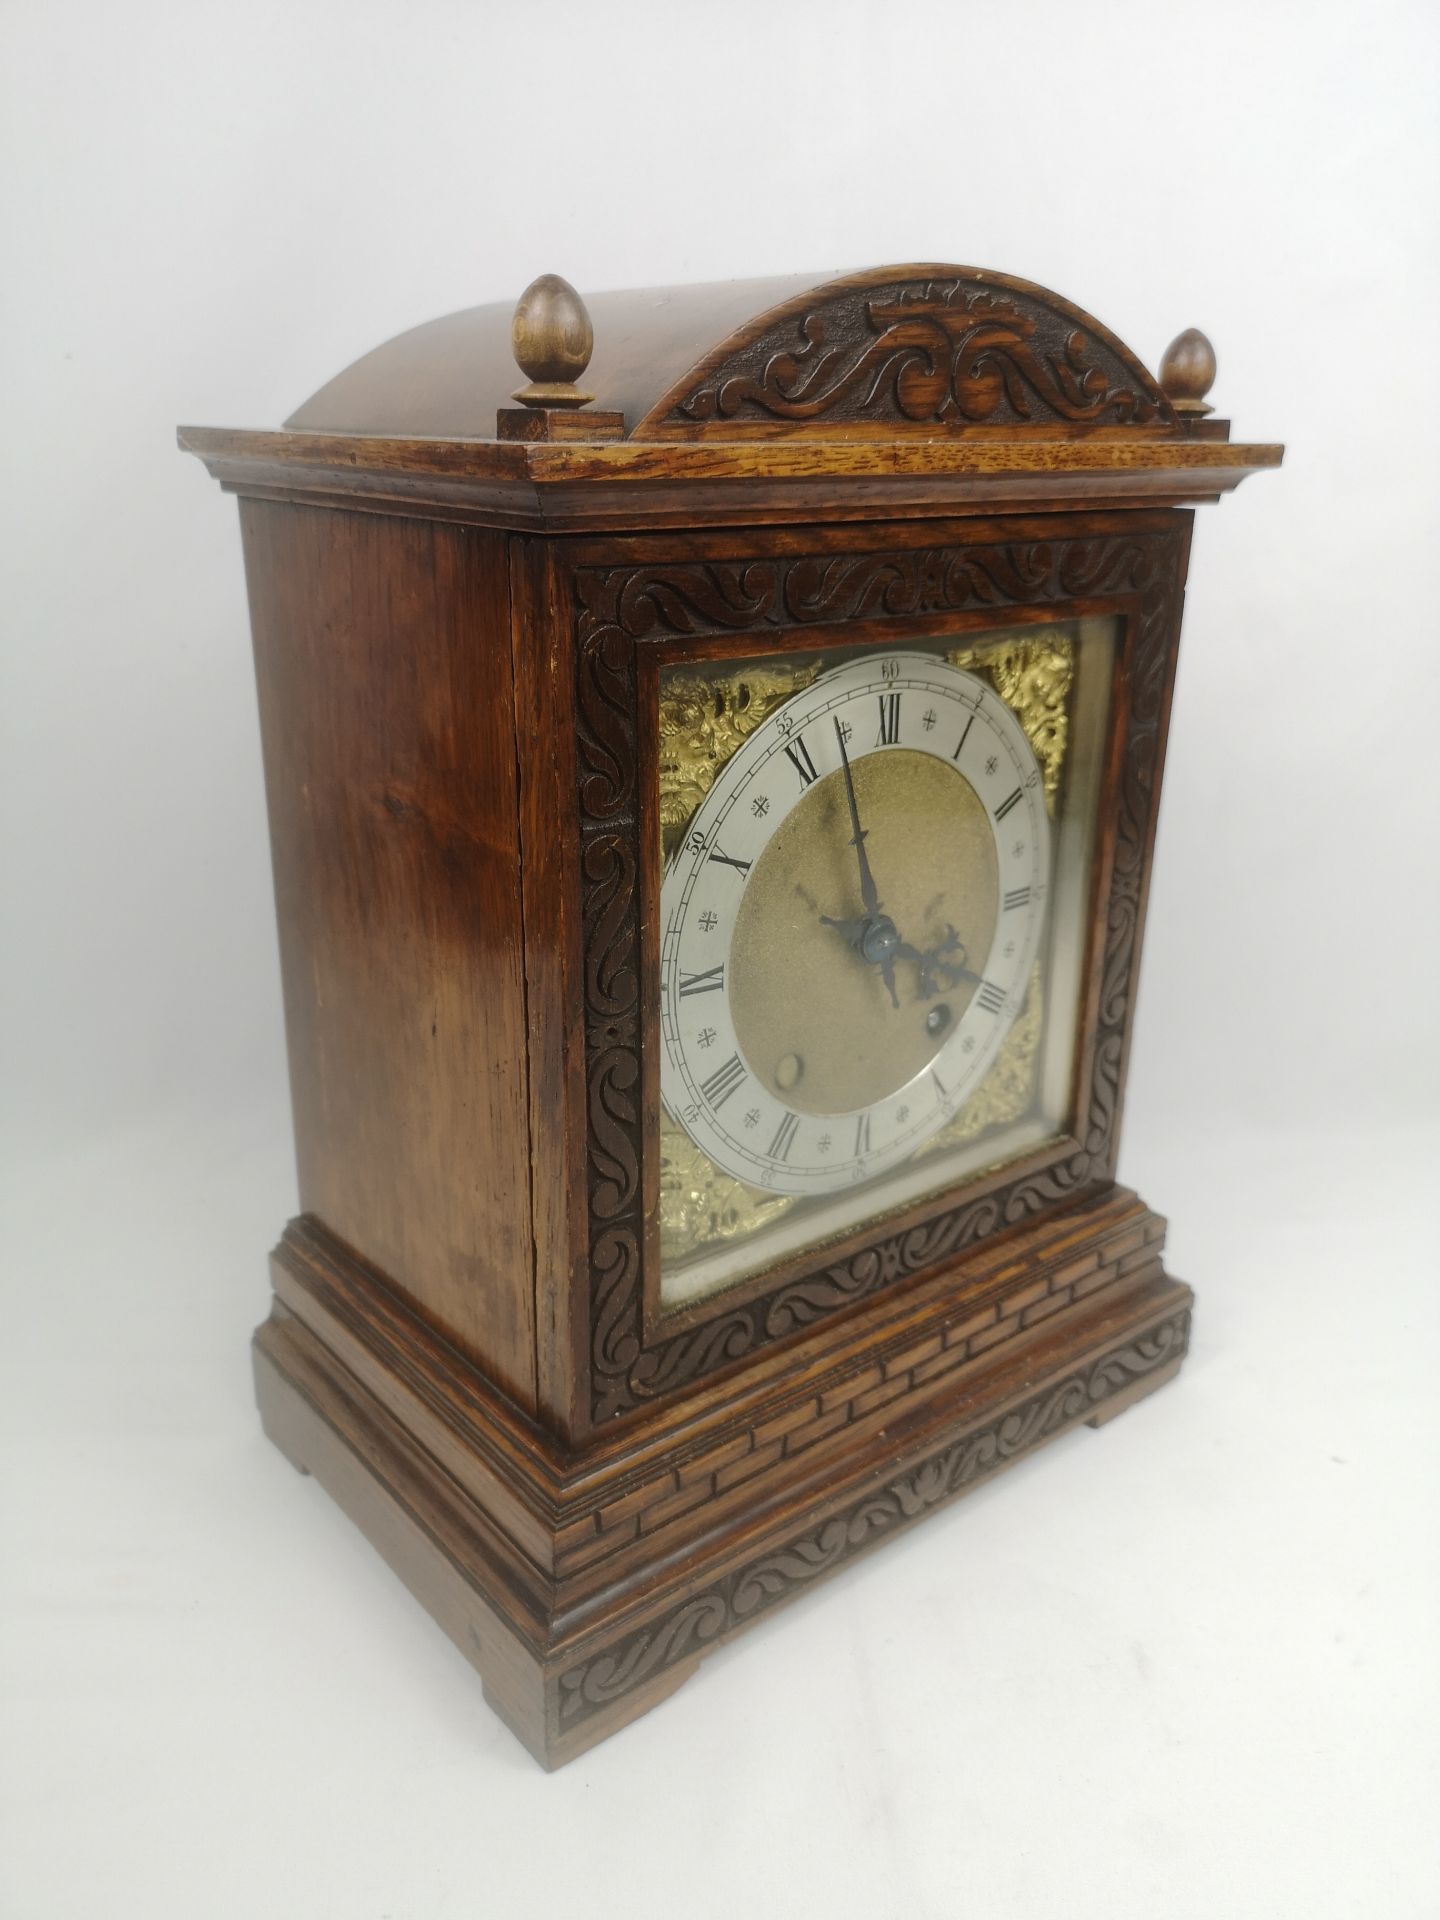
{"x": 586, "y": 1585}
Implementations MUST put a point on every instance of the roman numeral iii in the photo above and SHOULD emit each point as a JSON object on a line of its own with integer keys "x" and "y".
{"x": 1018, "y": 897}
{"x": 990, "y": 997}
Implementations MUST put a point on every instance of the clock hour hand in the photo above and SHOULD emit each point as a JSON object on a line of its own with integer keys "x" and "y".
{"x": 935, "y": 967}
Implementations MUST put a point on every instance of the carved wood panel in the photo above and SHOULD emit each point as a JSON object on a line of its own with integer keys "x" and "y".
{"x": 946, "y": 347}
{"x": 618, "y": 608}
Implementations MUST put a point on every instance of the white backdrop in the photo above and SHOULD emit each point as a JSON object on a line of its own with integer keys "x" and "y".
{"x": 1184, "y": 1667}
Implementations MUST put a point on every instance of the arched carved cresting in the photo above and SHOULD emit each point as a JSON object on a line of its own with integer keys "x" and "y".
{"x": 619, "y": 607}
{"x": 915, "y": 349}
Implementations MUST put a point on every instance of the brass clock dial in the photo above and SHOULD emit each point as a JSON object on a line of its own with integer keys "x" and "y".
{"x": 850, "y": 922}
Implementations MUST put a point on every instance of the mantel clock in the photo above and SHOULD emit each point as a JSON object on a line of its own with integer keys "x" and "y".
{"x": 712, "y": 816}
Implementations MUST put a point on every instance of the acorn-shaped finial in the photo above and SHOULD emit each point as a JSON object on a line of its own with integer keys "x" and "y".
{"x": 552, "y": 340}
{"x": 1187, "y": 372}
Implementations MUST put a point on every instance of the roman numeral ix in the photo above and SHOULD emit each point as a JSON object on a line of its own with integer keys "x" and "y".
{"x": 708, "y": 982}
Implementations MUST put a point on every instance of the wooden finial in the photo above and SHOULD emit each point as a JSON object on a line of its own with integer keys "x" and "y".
{"x": 552, "y": 340}
{"x": 1187, "y": 372}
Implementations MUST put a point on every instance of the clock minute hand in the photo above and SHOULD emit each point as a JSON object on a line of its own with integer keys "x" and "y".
{"x": 877, "y": 935}
{"x": 869, "y": 897}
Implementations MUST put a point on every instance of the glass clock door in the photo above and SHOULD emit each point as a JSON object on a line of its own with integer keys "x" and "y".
{"x": 876, "y": 865}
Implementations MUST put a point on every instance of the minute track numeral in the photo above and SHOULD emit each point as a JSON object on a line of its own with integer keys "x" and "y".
{"x": 784, "y": 1135}
{"x": 798, "y": 754}
{"x": 742, "y": 867}
{"x": 990, "y": 997}
{"x": 1013, "y": 800}
{"x": 1017, "y": 897}
{"x": 711, "y": 981}
{"x": 889, "y": 719}
{"x": 723, "y": 1082}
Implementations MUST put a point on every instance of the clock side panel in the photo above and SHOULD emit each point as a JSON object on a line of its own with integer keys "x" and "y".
{"x": 387, "y": 714}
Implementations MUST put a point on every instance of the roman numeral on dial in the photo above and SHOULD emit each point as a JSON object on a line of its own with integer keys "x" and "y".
{"x": 798, "y": 754}
{"x": 723, "y": 1082}
{"x": 964, "y": 737}
{"x": 889, "y": 719}
{"x": 862, "y": 1134}
{"x": 742, "y": 867}
{"x": 1005, "y": 805}
{"x": 711, "y": 981}
{"x": 784, "y": 1134}
{"x": 990, "y": 997}
{"x": 1017, "y": 897}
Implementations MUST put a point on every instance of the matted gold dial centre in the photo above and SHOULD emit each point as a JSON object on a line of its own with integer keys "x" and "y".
{"x": 812, "y": 1015}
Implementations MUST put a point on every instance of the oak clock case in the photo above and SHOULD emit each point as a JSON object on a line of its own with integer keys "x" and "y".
{"x": 712, "y": 810}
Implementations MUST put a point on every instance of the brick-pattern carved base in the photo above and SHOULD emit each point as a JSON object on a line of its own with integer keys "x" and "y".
{"x": 586, "y": 1586}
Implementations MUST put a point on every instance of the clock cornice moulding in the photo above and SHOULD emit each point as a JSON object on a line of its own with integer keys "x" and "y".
{"x": 574, "y": 487}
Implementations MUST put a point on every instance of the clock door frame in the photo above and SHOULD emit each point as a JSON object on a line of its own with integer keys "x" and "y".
{"x": 630, "y": 604}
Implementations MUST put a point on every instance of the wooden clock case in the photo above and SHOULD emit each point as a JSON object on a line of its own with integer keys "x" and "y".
{"x": 459, "y": 610}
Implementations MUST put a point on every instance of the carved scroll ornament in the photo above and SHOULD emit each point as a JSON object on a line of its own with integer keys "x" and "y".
{"x": 782, "y": 1572}
{"x": 954, "y": 350}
